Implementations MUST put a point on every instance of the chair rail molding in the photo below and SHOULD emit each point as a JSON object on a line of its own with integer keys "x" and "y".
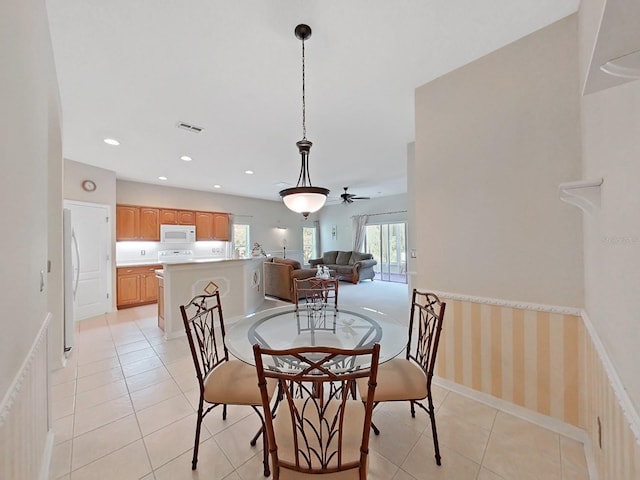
{"x": 584, "y": 194}
{"x": 563, "y": 310}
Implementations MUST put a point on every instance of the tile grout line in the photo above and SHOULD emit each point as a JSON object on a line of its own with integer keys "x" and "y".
{"x": 484, "y": 452}
{"x": 135, "y": 413}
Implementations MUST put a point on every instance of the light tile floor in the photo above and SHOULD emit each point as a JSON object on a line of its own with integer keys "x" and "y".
{"x": 124, "y": 408}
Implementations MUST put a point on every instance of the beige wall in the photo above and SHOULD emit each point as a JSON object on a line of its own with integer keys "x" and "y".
{"x": 493, "y": 141}
{"x": 611, "y": 150}
{"x": 75, "y": 173}
{"x": 30, "y": 149}
{"x": 55, "y": 296}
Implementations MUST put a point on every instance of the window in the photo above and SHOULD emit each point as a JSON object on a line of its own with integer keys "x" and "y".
{"x": 308, "y": 243}
{"x": 241, "y": 239}
{"x": 388, "y": 244}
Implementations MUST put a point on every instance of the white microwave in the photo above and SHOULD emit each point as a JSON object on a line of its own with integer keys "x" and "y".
{"x": 177, "y": 233}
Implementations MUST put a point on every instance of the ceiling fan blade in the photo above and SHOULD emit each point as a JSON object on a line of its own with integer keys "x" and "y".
{"x": 360, "y": 198}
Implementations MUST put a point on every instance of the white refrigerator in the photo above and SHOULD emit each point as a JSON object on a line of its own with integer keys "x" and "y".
{"x": 71, "y": 275}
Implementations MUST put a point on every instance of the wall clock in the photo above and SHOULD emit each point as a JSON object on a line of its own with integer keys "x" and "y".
{"x": 88, "y": 185}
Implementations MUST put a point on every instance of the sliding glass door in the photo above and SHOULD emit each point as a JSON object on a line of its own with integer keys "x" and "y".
{"x": 388, "y": 244}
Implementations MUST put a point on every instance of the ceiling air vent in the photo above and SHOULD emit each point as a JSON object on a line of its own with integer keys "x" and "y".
{"x": 189, "y": 128}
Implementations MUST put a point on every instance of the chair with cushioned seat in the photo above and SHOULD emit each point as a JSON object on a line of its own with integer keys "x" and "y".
{"x": 315, "y": 291}
{"x": 409, "y": 378}
{"x": 222, "y": 381}
{"x": 318, "y": 430}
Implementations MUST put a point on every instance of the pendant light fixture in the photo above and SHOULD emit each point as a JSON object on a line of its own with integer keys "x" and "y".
{"x": 304, "y": 198}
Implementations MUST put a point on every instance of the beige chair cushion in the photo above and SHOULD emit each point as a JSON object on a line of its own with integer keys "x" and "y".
{"x": 352, "y": 437}
{"x": 398, "y": 379}
{"x": 234, "y": 383}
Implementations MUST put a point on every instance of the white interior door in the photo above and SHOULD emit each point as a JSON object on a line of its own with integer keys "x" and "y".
{"x": 91, "y": 226}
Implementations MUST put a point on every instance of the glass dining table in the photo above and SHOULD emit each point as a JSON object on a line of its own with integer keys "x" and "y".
{"x": 345, "y": 327}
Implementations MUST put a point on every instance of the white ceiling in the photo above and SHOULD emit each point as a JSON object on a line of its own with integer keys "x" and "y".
{"x": 131, "y": 70}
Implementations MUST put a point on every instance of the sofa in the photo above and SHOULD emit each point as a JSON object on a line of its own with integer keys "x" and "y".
{"x": 279, "y": 274}
{"x": 352, "y": 266}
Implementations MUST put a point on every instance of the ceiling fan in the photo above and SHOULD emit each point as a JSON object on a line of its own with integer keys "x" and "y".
{"x": 350, "y": 197}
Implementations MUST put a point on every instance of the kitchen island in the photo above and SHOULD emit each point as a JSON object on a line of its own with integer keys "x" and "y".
{"x": 239, "y": 282}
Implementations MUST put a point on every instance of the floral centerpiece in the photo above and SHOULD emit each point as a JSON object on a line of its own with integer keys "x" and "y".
{"x": 257, "y": 250}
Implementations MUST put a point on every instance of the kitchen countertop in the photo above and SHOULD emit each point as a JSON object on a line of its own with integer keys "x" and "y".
{"x": 136, "y": 263}
{"x": 142, "y": 263}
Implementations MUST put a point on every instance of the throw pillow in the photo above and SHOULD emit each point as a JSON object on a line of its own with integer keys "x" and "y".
{"x": 329, "y": 258}
{"x": 343, "y": 258}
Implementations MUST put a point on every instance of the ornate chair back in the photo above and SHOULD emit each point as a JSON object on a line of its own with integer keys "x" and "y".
{"x": 428, "y": 312}
{"x": 204, "y": 325}
{"x": 318, "y": 427}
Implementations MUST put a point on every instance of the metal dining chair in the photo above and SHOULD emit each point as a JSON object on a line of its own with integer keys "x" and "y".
{"x": 409, "y": 378}
{"x": 315, "y": 292}
{"x": 222, "y": 381}
{"x": 318, "y": 430}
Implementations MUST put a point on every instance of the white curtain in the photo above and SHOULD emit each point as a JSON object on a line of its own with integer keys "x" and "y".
{"x": 318, "y": 248}
{"x": 359, "y": 224}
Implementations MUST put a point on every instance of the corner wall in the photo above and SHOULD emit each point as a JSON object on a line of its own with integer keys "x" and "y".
{"x": 482, "y": 190}
{"x": 30, "y": 148}
{"x": 493, "y": 141}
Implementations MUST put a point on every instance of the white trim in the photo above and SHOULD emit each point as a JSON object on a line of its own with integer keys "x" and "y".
{"x": 536, "y": 418}
{"x": 46, "y": 456}
{"x": 557, "y": 426}
{"x": 628, "y": 409}
{"x": 507, "y": 303}
{"x": 16, "y": 385}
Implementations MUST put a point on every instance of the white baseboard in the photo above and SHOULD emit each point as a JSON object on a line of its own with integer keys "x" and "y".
{"x": 46, "y": 456}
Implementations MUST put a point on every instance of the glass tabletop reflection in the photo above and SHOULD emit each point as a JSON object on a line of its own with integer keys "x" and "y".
{"x": 346, "y": 327}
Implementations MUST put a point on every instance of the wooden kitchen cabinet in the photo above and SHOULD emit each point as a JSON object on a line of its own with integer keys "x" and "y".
{"x": 212, "y": 226}
{"x": 137, "y": 223}
{"x": 177, "y": 217}
{"x": 168, "y": 217}
{"x": 128, "y": 288}
{"x": 149, "y": 224}
{"x": 127, "y": 222}
{"x": 221, "y": 227}
{"x": 137, "y": 285}
{"x": 149, "y": 286}
{"x": 204, "y": 225}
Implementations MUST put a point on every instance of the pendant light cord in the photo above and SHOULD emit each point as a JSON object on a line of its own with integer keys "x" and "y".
{"x": 304, "y": 123}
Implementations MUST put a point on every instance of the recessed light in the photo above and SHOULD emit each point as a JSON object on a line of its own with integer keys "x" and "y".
{"x": 217, "y": 186}
{"x": 162, "y": 178}
{"x": 249, "y": 172}
{"x": 111, "y": 141}
{"x": 186, "y": 158}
